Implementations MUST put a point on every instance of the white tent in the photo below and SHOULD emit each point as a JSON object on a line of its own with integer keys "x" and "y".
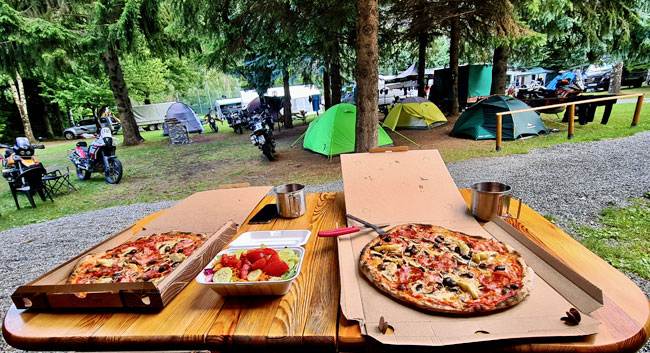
{"x": 150, "y": 114}
{"x": 299, "y": 96}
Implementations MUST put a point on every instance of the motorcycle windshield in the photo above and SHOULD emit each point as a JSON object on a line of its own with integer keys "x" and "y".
{"x": 23, "y": 143}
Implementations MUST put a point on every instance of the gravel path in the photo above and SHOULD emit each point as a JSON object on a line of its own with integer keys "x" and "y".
{"x": 571, "y": 182}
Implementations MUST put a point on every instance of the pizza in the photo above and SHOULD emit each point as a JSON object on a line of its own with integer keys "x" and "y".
{"x": 146, "y": 259}
{"x": 441, "y": 270}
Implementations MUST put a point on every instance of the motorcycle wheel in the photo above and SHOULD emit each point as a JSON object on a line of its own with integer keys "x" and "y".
{"x": 267, "y": 150}
{"x": 114, "y": 171}
{"x": 82, "y": 174}
{"x": 239, "y": 130}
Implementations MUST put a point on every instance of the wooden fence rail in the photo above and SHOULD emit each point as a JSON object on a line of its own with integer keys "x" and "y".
{"x": 571, "y": 106}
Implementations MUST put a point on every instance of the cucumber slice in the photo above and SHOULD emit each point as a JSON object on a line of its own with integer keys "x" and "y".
{"x": 254, "y": 275}
{"x": 286, "y": 254}
{"x": 223, "y": 275}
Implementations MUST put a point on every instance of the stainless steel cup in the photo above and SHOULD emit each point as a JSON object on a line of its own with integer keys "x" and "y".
{"x": 490, "y": 199}
{"x": 290, "y": 200}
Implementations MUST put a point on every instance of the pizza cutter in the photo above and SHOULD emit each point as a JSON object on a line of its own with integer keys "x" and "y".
{"x": 377, "y": 229}
{"x": 348, "y": 230}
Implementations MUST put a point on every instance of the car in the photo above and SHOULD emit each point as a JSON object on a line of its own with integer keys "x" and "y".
{"x": 597, "y": 78}
{"x": 87, "y": 126}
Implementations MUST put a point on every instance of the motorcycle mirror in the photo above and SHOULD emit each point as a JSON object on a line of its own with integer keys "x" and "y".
{"x": 40, "y": 139}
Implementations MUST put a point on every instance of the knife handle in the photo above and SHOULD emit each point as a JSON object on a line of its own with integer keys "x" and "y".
{"x": 337, "y": 232}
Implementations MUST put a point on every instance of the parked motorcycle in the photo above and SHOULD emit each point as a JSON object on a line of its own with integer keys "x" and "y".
{"x": 99, "y": 157}
{"x": 237, "y": 122}
{"x": 263, "y": 138}
{"x": 18, "y": 158}
{"x": 213, "y": 123}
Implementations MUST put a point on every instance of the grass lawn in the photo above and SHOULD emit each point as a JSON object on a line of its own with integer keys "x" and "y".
{"x": 643, "y": 89}
{"x": 622, "y": 240}
{"x": 156, "y": 171}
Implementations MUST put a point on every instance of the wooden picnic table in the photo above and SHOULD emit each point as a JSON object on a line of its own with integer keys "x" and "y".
{"x": 308, "y": 317}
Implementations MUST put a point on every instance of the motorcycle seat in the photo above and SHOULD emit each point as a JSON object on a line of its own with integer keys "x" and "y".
{"x": 82, "y": 144}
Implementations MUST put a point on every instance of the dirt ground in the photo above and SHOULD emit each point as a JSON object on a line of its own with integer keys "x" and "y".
{"x": 296, "y": 163}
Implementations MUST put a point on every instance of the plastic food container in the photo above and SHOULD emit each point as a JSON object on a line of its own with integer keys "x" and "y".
{"x": 277, "y": 240}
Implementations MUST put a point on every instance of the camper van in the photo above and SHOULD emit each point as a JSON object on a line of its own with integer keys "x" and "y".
{"x": 227, "y": 105}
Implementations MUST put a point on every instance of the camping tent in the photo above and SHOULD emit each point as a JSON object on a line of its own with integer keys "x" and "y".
{"x": 473, "y": 81}
{"x": 480, "y": 122}
{"x": 150, "y": 115}
{"x": 186, "y": 115}
{"x": 334, "y": 131}
{"x": 414, "y": 113}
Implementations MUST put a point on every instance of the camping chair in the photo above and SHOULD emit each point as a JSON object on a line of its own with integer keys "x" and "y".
{"x": 30, "y": 182}
{"x": 56, "y": 180}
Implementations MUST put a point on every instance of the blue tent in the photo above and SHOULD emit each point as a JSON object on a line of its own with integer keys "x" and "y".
{"x": 186, "y": 115}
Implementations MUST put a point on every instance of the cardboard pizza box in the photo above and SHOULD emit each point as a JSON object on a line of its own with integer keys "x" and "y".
{"x": 416, "y": 187}
{"x": 216, "y": 213}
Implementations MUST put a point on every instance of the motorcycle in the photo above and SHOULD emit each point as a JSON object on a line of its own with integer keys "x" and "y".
{"x": 99, "y": 157}
{"x": 263, "y": 138}
{"x": 237, "y": 122}
{"x": 213, "y": 124}
{"x": 19, "y": 158}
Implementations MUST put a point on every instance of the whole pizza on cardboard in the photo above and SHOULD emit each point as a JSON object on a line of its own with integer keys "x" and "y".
{"x": 441, "y": 270}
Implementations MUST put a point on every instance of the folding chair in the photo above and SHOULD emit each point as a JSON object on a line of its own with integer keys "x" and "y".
{"x": 57, "y": 179}
{"x": 29, "y": 183}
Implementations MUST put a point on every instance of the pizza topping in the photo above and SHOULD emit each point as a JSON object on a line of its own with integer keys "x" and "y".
{"x": 388, "y": 248}
{"x": 449, "y": 282}
{"x": 499, "y": 268}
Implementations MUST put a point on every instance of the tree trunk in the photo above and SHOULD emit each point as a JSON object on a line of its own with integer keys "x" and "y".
{"x": 335, "y": 74}
{"x": 499, "y": 69}
{"x": 18, "y": 92}
{"x": 327, "y": 96}
{"x": 422, "y": 61}
{"x": 71, "y": 117}
{"x": 288, "y": 121}
{"x": 48, "y": 123}
{"x": 147, "y": 98}
{"x": 367, "y": 74}
{"x": 113, "y": 69}
{"x": 453, "y": 62}
{"x": 615, "y": 78}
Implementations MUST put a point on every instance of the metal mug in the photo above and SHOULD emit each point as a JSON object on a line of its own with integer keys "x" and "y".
{"x": 490, "y": 199}
{"x": 290, "y": 200}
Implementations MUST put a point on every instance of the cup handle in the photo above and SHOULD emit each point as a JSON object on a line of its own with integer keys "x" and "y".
{"x": 505, "y": 201}
{"x": 292, "y": 200}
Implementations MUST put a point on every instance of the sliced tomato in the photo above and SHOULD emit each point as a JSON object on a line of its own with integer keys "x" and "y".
{"x": 254, "y": 255}
{"x": 276, "y": 268}
{"x": 272, "y": 258}
{"x": 230, "y": 261}
{"x": 259, "y": 264}
{"x": 269, "y": 251}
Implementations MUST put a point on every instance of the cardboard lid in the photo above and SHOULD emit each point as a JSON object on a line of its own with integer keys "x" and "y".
{"x": 272, "y": 238}
{"x": 207, "y": 211}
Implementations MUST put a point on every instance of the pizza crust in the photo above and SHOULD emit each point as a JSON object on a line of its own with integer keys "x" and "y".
{"x": 372, "y": 275}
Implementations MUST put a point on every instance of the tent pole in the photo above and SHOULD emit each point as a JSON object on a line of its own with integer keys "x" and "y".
{"x": 299, "y": 138}
{"x": 404, "y": 137}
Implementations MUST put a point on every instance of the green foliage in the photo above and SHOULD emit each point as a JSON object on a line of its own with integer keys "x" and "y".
{"x": 622, "y": 240}
{"x": 146, "y": 79}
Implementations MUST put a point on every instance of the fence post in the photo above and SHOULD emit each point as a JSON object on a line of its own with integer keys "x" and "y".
{"x": 572, "y": 118}
{"x": 499, "y": 128}
{"x": 637, "y": 111}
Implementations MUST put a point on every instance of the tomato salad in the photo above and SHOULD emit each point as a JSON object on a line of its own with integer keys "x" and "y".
{"x": 253, "y": 265}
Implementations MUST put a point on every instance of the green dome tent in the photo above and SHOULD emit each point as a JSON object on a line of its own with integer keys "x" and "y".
{"x": 480, "y": 121}
{"x": 333, "y": 132}
{"x": 414, "y": 113}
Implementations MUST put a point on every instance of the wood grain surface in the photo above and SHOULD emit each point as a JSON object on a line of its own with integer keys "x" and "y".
{"x": 308, "y": 317}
